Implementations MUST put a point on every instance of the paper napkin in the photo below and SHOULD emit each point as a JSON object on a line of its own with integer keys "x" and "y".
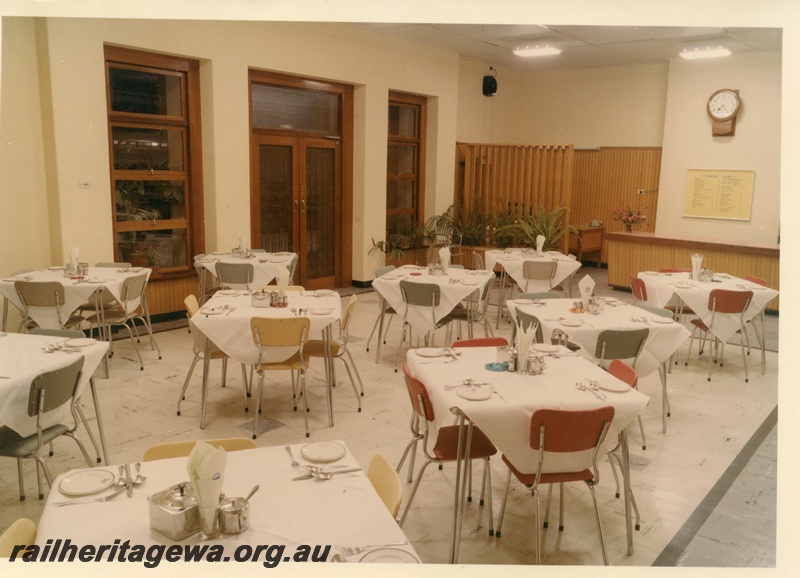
{"x": 539, "y": 244}
{"x": 586, "y": 287}
{"x": 206, "y": 468}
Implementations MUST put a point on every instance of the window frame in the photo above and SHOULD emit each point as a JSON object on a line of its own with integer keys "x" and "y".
{"x": 420, "y": 103}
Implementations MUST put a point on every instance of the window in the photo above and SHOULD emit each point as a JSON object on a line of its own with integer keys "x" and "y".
{"x": 405, "y": 163}
{"x": 153, "y": 127}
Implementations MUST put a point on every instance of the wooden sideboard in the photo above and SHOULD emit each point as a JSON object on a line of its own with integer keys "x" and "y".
{"x": 588, "y": 240}
{"x": 630, "y": 253}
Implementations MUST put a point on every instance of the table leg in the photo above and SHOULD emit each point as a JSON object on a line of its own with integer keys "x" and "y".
{"x": 380, "y": 330}
{"x": 204, "y": 390}
{"x": 100, "y": 428}
{"x": 5, "y": 313}
{"x": 662, "y": 373}
{"x": 329, "y": 371}
{"x": 626, "y": 482}
{"x": 501, "y": 296}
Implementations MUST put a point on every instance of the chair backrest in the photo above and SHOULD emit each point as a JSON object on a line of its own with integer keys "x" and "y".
{"x": 386, "y": 482}
{"x": 679, "y": 270}
{"x": 280, "y": 332}
{"x": 539, "y": 270}
{"x": 420, "y": 294}
{"x": 482, "y": 342}
{"x": 655, "y": 310}
{"x": 727, "y": 301}
{"x": 68, "y": 333}
{"x": 192, "y": 306}
{"x": 639, "y": 289}
{"x": 234, "y": 273}
{"x": 183, "y": 449}
{"x": 621, "y": 344}
{"x": 293, "y": 266}
{"x": 526, "y": 320}
{"x": 132, "y": 292}
{"x": 477, "y": 261}
{"x": 623, "y": 372}
{"x": 348, "y": 312}
{"x": 420, "y": 400}
{"x": 52, "y": 389}
{"x": 540, "y": 295}
{"x": 384, "y": 270}
{"x": 756, "y": 280}
{"x": 22, "y": 532}
{"x": 40, "y": 293}
{"x": 112, "y": 264}
{"x": 555, "y": 430}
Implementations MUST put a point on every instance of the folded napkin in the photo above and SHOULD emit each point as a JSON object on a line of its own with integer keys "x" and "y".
{"x": 74, "y": 254}
{"x": 586, "y": 287}
{"x": 539, "y": 244}
{"x": 524, "y": 340}
{"x": 697, "y": 265}
{"x": 282, "y": 279}
{"x": 444, "y": 257}
{"x": 206, "y": 468}
{"x": 243, "y": 243}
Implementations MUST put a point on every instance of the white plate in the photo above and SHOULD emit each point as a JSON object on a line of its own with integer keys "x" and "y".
{"x": 322, "y": 451}
{"x": 474, "y": 393}
{"x": 227, "y": 292}
{"x": 429, "y": 352}
{"x": 757, "y": 287}
{"x": 211, "y": 311}
{"x": 469, "y": 282}
{"x": 55, "y": 268}
{"x": 80, "y": 342}
{"x": 545, "y": 347}
{"x": 389, "y": 556}
{"x": 325, "y": 292}
{"x": 96, "y": 280}
{"x": 616, "y": 386}
{"x": 684, "y": 285}
{"x": 571, "y": 322}
{"x": 660, "y": 319}
{"x": 320, "y": 311}
{"x": 86, "y": 482}
{"x": 523, "y": 301}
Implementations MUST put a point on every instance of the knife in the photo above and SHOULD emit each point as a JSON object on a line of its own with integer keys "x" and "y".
{"x": 128, "y": 480}
{"x": 310, "y": 475}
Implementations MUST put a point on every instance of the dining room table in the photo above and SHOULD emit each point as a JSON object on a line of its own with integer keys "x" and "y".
{"x": 694, "y": 294}
{"x": 511, "y": 264}
{"x": 456, "y": 285}
{"x": 24, "y": 356}
{"x": 225, "y": 321}
{"x": 664, "y": 338}
{"x": 292, "y": 508}
{"x": 265, "y": 265}
{"x": 78, "y": 289}
{"x": 501, "y": 402}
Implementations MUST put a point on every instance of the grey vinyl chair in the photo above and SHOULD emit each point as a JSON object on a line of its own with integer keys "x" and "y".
{"x": 231, "y": 274}
{"x": 101, "y": 298}
{"x": 130, "y": 307}
{"x": 385, "y": 310}
{"x": 540, "y": 271}
{"x": 474, "y": 311}
{"x": 425, "y": 296}
{"x": 43, "y": 294}
{"x": 48, "y": 391}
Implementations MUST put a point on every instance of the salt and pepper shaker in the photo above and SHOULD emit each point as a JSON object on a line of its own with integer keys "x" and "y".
{"x": 512, "y": 359}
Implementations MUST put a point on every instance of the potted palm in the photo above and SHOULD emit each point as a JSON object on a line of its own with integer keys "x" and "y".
{"x": 549, "y": 224}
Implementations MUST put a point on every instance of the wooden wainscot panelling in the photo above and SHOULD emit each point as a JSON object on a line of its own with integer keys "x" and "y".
{"x": 165, "y": 295}
{"x": 630, "y": 253}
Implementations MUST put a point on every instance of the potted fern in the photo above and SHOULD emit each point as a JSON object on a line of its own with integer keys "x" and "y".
{"x": 549, "y": 224}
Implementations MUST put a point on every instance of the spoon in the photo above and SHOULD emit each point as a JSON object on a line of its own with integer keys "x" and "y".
{"x": 140, "y": 479}
{"x": 250, "y": 495}
{"x": 324, "y": 469}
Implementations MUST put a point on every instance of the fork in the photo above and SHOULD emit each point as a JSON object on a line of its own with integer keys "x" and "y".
{"x": 493, "y": 389}
{"x": 295, "y": 464}
{"x": 101, "y": 499}
{"x": 354, "y": 550}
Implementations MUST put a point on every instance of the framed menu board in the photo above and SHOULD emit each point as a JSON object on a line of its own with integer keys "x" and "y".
{"x": 719, "y": 194}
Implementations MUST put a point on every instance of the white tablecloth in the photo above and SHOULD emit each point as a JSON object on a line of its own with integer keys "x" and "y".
{"x": 265, "y": 265}
{"x": 229, "y": 328}
{"x": 452, "y": 293}
{"x": 343, "y": 511}
{"x": 661, "y": 287}
{"x": 506, "y": 421}
{"x": 664, "y": 338}
{"x": 21, "y": 360}
{"x": 76, "y": 292}
{"x": 512, "y": 261}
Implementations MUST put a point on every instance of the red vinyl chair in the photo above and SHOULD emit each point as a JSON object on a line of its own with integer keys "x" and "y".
{"x": 722, "y": 301}
{"x": 557, "y": 431}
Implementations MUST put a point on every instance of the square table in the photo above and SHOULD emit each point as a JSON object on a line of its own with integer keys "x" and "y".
{"x": 22, "y": 358}
{"x": 505, "y": 417}
{"x": 225, "y": 320}
{"x": 343, "y": 511}
{"x": 265, "y": 266}
{"x": 457, "y": 285}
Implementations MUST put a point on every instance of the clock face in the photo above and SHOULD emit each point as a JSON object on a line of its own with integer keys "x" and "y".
{"x": 723, "y": 105}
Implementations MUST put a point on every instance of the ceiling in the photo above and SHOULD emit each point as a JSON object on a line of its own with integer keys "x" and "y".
{"x": 582, "y": 46}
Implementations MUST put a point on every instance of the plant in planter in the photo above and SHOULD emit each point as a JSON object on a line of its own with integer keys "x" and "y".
{"x": 550, "y": 224}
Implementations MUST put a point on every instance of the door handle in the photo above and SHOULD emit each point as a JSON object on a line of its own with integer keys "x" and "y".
{"x": 295, "y": 205}
{"x": 303, "y": 206}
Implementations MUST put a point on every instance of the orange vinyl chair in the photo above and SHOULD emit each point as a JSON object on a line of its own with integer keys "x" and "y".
{"x": 557, "y": 431}
{"x": 626, "y": 373}
{"x": 446, "y": 447}
{"x": 639, "y": 290}
{"x": 679, "y": 310}
{"x": 751, "y": 323}
{"x": 722, "y": 301}
{"x": 481, "y": 342}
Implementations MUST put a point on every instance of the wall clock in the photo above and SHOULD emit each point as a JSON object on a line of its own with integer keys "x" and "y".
{"x": 723, "y": 107}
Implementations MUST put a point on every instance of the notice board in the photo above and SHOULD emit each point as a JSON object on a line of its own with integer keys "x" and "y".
{"x": 719, "y": 194}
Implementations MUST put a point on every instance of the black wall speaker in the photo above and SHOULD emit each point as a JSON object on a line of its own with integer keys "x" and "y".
{"x": 489, "y": 86}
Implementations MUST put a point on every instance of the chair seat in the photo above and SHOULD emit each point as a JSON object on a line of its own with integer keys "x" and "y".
{"x": 294, "y": 363}
{"x": 699, "y": 324}
{"x": 13, "y": 445}
{"x": 446, "y": 448}
{"x": 316, "y": 348}
{"x": 530, "y": 479}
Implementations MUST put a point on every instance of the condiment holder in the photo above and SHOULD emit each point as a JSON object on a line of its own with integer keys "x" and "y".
{"x": 535, "y": 365}
{"x": 233, "y": 514}
{"x": 174, "y": 512}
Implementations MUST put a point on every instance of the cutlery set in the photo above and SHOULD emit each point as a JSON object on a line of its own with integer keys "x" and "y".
{"x": 591, "y": 388}
{"x": 124, "y": 484}
{"x": 60, "y": 346}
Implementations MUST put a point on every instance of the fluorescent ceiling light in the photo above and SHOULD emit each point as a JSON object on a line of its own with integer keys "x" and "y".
{"x": 707, "y": 52}
{"x": 537, "y": 51}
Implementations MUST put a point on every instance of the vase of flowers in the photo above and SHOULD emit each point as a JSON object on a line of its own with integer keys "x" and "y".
{"x": 629, "y": 217}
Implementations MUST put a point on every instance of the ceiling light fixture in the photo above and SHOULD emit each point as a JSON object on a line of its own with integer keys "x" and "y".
{"x": 537, "y": 50}
{"x": 706, "y": 52}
